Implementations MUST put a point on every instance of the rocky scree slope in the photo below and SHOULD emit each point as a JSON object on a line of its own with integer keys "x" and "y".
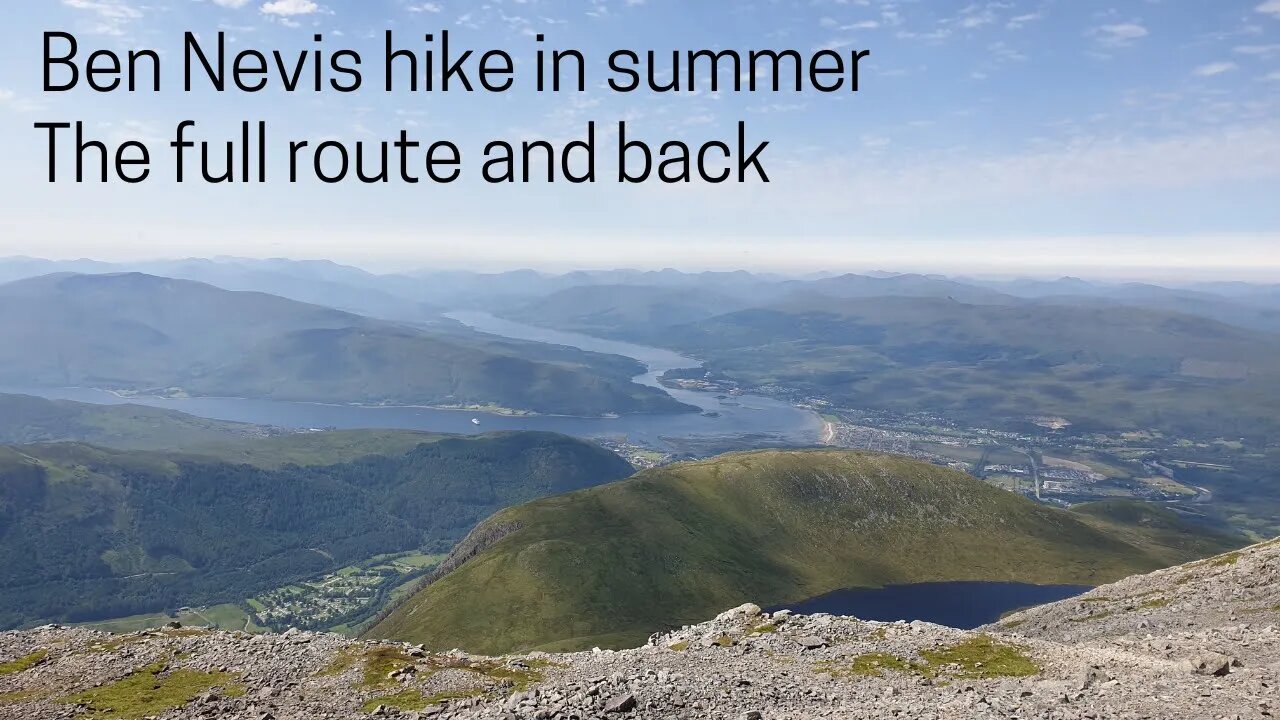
{"x": 1198, "y": 640}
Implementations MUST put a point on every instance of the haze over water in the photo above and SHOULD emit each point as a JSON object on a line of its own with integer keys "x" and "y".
{"x": 750, "y": 416}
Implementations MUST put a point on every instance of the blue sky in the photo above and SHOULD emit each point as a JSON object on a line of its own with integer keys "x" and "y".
{"x": 1136, "y": 138}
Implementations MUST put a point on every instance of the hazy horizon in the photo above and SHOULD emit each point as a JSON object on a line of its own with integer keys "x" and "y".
{"x": 1105, "y": 275}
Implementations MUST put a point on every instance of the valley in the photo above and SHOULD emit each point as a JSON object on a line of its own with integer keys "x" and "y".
{"x": 336, "y": 489}
{"x": 92, "y": 534}
{"x": 637, "y": 360}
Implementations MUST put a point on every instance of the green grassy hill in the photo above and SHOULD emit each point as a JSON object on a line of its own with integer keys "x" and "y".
{"x": 139, "y": 332}
{"x": 88, "y": 533}
{"x": 610, "y": 565}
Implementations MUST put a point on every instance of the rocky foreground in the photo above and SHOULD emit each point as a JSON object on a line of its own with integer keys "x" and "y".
{"x": 1195, "y": 641}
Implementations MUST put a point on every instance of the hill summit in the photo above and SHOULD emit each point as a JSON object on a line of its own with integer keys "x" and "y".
{"x": 610, "y": 565}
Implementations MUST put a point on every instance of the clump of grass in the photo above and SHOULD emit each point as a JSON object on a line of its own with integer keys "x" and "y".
{"x": 24, "y": 663}
{"x": 680, "y": 646}
{"x": 379, "y": 663}
{"x": 723, "y": 641}
{"x": 1013, "y": 623}
{"x": 519, "y": 678}
{"x": 146, "y": 692}
{"x": 981, "y": 657}
{"x": 765, "y": 628}
{"x": 1230, "y": 558}
{"x": 452, "y": 695}
{"x": 1153, "y": 604}
{"x": 867, "y": 665}
{"x": 116, "y": 642}
{"x": 405, "y": 701}
{"x": 343, "y": 660}
{"x": 1090, "y": 618}
{"x": 14, "y": 697}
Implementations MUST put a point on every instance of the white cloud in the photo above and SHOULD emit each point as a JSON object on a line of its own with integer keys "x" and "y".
{"x": 1258, "y": 50}
{"x": 1270, "y": 7}
{"x": 234, "y": 4}
{"x": 112, "y": 16}
{"x": 975, "y": 17}
{"x": 288, "y": 8}
{"x": 1020, "y": 21}
{"x": 1214, "y": 68}
{"x": 11, "y": 101}
{"x": 1120, "y": 34}
{"x": 428, "y": 7}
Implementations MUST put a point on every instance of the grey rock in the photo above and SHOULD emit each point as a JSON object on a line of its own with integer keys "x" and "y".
{"x": 1210, "y": 663}
{"x": 811, "y": 642}
{"x": 621, "y": 704}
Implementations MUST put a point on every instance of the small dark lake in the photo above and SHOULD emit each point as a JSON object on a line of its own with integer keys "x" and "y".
{"x": 964, "y": 605}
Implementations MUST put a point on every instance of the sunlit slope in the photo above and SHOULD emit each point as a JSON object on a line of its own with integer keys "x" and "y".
{"x": 609, "y": 565}
{"x": 88, "y": 533}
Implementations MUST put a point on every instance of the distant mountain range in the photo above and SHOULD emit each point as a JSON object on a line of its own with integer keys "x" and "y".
{"x": 610, "y": 565}
{"x": 420, "y": 295}
{"x": 141, "y": 333}
{"x": 1103, "y": 367}
{"x": 1106, "y": 357}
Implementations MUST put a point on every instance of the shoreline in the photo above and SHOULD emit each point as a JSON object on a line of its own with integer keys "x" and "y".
{"x": 497, "y": 411}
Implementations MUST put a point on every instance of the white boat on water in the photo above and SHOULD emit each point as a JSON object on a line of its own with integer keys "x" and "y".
{"x": 475, "y": 421}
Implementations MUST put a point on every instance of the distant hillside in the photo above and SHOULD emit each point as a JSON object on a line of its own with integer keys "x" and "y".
{"x": 1239, "y": 312}
{"x": 632, "y": 312}
{"x": 610, "y": 565}
{"x": 88, "y": 533}
{"x": 312, "y": 281}
{"x": 144, "y": 333}
{"x": 909, "y": 285}
{"x": 25, "y": 419}
{"x": 1103, "y": 368}
{"x": 645, "y": 312}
